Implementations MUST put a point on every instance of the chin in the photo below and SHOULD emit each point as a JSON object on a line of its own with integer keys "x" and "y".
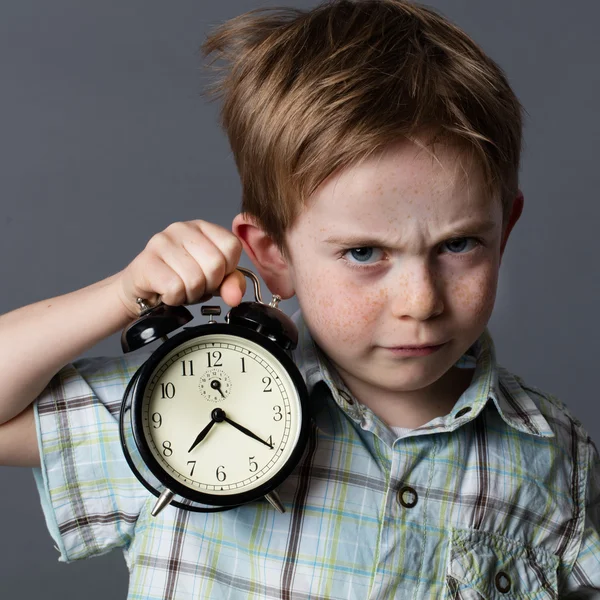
{"x": 409, "y": 382}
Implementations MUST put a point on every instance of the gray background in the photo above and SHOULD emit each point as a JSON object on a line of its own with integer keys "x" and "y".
{"x": 104, "y": 140}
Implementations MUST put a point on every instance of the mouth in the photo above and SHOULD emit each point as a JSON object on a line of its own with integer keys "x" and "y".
{"x": 421, "y": 347}
{"x": 415, "y": 350}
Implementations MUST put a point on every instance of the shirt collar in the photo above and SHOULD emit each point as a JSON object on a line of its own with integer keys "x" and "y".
{"x": 490, "y": 382}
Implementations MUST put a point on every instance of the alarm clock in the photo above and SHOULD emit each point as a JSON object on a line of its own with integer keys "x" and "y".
{"x": 217, "y": 416}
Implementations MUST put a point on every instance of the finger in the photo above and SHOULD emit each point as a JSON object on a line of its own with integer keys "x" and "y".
{"x": 189, "y": 241}
{"x": 233, "y": 288}
{"x": 153, "y": 278}
{"x": 223, "y": 239}
{"x": 191, "y": 274}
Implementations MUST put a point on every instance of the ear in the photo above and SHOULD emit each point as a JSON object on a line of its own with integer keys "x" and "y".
{"x": 517, "y": 209}
{"x": 265, "y": 255}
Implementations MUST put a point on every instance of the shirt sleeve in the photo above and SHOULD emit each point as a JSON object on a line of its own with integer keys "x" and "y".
{"x": 584, "y": 579}
{"x": 90, "y": 498}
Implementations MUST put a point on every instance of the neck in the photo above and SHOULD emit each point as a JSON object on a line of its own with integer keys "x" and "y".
{"x": 412, "y": 409}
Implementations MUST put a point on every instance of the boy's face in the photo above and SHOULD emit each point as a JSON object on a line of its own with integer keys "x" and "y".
{"x": 401, "y": 250}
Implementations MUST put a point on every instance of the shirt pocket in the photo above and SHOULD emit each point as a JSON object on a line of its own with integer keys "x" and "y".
{"x": 493, "y": 567}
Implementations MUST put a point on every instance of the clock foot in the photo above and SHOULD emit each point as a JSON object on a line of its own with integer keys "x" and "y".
{"x": 162, "y": 502}
{"x": 275, "y": 502}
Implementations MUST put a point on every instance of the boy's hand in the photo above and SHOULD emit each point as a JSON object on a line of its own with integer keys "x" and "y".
{"x": 188, "y": 262}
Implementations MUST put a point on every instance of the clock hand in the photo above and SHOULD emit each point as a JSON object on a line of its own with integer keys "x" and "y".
{"x": 247, "y": 432}
{"x": 215, "y": 384}
{"x": 216, "y": 416}
{"x": 202, "y": 434}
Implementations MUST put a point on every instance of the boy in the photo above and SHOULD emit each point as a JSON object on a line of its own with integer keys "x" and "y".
{"x": 378, "y": 149}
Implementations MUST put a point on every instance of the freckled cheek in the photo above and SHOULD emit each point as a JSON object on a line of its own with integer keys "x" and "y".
{"x": 339, "y": 310}
{"x": 474, "y": 294}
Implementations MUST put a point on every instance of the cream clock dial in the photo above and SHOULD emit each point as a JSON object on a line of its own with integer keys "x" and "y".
{"x": 243, "y": 400}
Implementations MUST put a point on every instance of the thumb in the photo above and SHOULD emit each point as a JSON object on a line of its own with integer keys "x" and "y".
{"x": 233, "y": 288}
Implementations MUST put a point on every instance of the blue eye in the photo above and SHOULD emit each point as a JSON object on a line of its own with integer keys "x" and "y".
{"x": 366, "y": 255}
{"x": 457, "y": 245}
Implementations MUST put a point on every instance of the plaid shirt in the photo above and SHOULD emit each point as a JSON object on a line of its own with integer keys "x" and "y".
{"x": 498, "y": 499}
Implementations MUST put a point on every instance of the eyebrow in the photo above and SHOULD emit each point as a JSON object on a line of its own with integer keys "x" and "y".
{"x": 359, "y": 240}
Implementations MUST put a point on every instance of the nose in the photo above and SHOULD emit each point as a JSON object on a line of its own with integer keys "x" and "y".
{"x": 416, "y": 292}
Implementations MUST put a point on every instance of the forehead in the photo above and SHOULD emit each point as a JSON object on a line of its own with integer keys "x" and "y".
{"x": 405, "y": 181}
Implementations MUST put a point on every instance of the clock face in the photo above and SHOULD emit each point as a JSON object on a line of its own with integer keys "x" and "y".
{"x": 221, "y": 415}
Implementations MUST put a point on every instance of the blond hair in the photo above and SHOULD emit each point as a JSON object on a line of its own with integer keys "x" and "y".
{"x": 306, "y": 93}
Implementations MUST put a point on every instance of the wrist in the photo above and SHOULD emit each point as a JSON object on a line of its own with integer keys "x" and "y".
{"x": 126, "y": 298}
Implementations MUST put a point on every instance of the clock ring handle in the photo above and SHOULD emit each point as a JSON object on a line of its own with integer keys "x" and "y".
{"x": 266, "y": 319}
{"x": 275, "y": 300}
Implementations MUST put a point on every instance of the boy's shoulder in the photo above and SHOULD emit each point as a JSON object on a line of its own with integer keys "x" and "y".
{"x": 89, "y": 381}
{"x": 565, "y": 429}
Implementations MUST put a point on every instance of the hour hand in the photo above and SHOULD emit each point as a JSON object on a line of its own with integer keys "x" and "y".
{"x": 247, "y": 432}
{"x": 202, "y": 435}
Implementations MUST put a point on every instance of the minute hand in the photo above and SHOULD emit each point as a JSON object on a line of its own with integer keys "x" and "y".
{"x": 247, "y": 432}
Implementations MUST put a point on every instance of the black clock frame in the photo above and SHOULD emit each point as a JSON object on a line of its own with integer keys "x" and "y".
{"x": 138, "y": 390}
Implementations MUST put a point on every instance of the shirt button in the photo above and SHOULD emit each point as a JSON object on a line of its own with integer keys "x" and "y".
{"x": 345, "y": 396}
{"x": 407, "y": 496}
{"x": 502, "y": 582}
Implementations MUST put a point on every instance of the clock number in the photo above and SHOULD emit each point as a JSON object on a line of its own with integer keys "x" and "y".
{"x": 267, "y": 382}
{"x": 157, "y": 420}
{"x": 191, "y": 368}
{"x": 167, "y": 450}
{"x": 193, "y": 463}
{"x": 220, "y": 473}
{"x": 217, "y": 356}
{"x": 167, "y": 390}
{"x": 270, "y": 442}
{"x": 278, "y": 414}
{"x": 253, "y": 464}
{"x": 243, "y": 364}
